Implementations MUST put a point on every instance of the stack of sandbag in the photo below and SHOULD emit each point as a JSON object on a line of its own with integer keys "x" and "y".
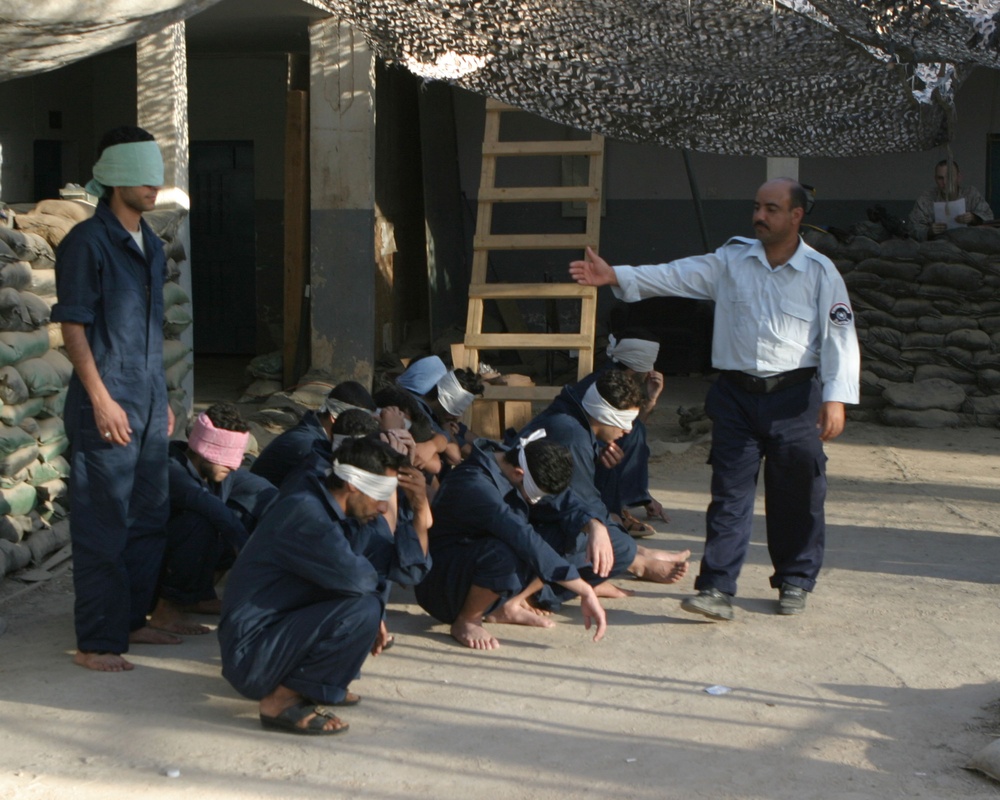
{"x": 176, "y": 310}
{"x": 928, "y": 318}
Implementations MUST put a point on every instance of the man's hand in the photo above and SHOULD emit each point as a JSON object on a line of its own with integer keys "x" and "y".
{"x": 401, "y": 441}
{"x": 593, "y": 613}
{"x": 382, "y": 640}
{"x": 112, "y": 419}
{"x": 937, "y": 228}
{"x": 414, "y": 486}
{"x": 453, "y": 427}
{"x": 654, "y": 388}
{"x": 171, "y": 421}
{"x": 594, "y": 271}
{"x": 600, "y": 553}
{"x": 611, "y": 456}
{"x": 391, "y": 418}
{"x": 968, "y": 218}
{"x": 831, "y": 420}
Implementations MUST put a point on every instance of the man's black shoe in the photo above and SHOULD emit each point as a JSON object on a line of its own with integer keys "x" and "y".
{"x": 791, "y": 599}
{"x": 711, "y": 603}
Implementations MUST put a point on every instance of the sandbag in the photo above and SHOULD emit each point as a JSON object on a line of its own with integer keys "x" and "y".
{"x": 7, "y": 254}
{"x": 18, "y": 500}
{"x": 885, "y": 268}
{"x": 72, "y": 210}
{"x": 40, "y": 472}
{"x": 52, "y": 450}
{"x": 176, "y": 374}
{"x": 899, "y": 250}
{"x": 983, "y": 405}
{"x": 914, "y": 307}
{"x": 19, "y": 346}
{"x": 13, "y": 414}
{"x": 30, "y": 426}
{"x": 176, "y": 319}
{"x": 957, "y": 276}
{"x": 51, "y": 228}
{"x": 943, "y": 250}
{"x": 174, "y": 294}
{"x": 943, "y": 324}
{"x": 12, "y": 529}
{"x": 13, "y": 439}
{"x": 43, "y": 281}
{"x": 16, "y": 275}
{"x": 173, "y": 351}
{"x": 888, "y": 336}
{"x": 39, "y": 312}
{"x": 957, "y": 375}
{"x": 173, "y": 271}
{"x": 54, "y": 330}
{"x": 917, "y": 355}
{"x": 890, "y": 372}
{"x": 38, "y": 252}
{"x": 989, "y": 380}
{"x": 62, "y": 365}
{"x": 17, "y": 461}
{"x": 876, "y": 299}
{"x": 165, "y": 222}
{"x": 930, "y": 418}
{"x": 13, "y": 389}
{"x": 882, "y": 319}
{"x": 923, "y": 339}
{"x": 862, "y": 280}
{"x": 51, "y": 491}
{"x": 977, "y": 239}
{"x": 52, "y": 405}
{"x": 13, "y": 315}
{"x": 986, "y": 358}
{"x": 17, "y": 556}
{"x": 968, "y": 338}
{"x": 39, "y": 376}
{"x": 882, "y": 351}
{"x": 932, "y": 393}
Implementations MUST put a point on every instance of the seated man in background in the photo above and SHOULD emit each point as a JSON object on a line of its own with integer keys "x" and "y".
{"x": 205, "y": 532}
{"x": 602, "y": 550}
{"x": 622, "y": 474}
{"x": 948, "y": 189}
{"x": 487, "y": 558}
{"x": 302, "y": 608}
{"x": 286, "y": 451}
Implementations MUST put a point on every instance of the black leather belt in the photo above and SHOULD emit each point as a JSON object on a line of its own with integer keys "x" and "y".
{"x": 772, "y": 383}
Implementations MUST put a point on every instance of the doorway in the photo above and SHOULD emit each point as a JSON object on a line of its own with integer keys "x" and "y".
{"x": 223, "y": 266}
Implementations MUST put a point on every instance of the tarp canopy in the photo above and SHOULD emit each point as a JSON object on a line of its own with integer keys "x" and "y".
{"x": 760, "y": 77}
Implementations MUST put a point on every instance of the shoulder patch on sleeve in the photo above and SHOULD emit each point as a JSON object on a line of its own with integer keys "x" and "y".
{"x": 841, "y": 314}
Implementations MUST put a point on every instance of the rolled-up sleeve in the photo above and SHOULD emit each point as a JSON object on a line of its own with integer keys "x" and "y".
{"x": 78, "y": 279}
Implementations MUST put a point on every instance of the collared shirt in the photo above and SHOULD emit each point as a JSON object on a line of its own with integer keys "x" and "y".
{"x": 767, "y": 321}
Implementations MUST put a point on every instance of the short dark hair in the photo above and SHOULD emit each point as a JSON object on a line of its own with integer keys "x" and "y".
{"x": 944, "y": 163}
{"x": 227, "y": 417}
{"x": 353, "y": 393}
{"x": 467, "y": 379}
{"x": 370, "y": 455}
{"x": 421, "y": 429}
{"x": 402, "y": 399}
{"x": 355, "y": 422}
{"x": 799, "y": 197}
{"x": 550, "y": 464}
{"x": 620, "y": 389}
{"x": 124, "y": 134}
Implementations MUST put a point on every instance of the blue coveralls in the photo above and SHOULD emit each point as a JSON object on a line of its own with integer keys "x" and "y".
{"x": 287, "y": 451}
{"x": 206, "y": 528}
{"x": 627, "y": 484}
{"x": 118, "y": 494}
{"x": 301, "y": 607}
{"x": 566, "y": 423}
{"x": 483, "y": 536}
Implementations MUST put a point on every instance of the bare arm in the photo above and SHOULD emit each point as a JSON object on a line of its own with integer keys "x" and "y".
{"x": 600, "y": 553}
{"x": 593, "y": 611}
{"x": 109, "y": 416}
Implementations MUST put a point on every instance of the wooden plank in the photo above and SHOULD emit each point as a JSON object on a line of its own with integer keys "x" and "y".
{"x": 296, "y": 252}
{"x": 486, "y": 419}
{"x": 524, "y": 291}
{"x": 505, "y": 393}
{"x": 540, "y": 194}
{"x": 534, "y": 241}
{"x": 556, "y": 147}
{"x": 516, "y": 414}
{"x": 527, "y": 341}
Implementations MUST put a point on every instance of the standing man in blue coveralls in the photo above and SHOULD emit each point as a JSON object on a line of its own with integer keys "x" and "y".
{"x": 110, "y": 271}
{"x": 787, "y": 350}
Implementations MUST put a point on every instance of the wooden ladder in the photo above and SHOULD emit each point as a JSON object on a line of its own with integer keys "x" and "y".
{"x": 515, "y": 401}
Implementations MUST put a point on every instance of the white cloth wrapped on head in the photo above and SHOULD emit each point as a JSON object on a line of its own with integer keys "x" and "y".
{"x": 532, "y": 490}
{"x": 605, "y": 413}
{"x": 378, "y": 487}
{"x": 637, "y": 354}
{"x": 454, "y": 399}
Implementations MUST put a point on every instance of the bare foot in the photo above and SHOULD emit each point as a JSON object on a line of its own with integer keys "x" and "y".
{"x": 473, "y": 635}
{"x": 659, "y": 570}
{"x": 102, "y": 662}
{"x": 150, "y": 635}
{"x": 609, "y": 590}
{"x": 209, "y": 607}
{"x": 665, "y": 555}
{"x": 168, "y": 617}
{"x": 534, "y": 609}
{"x": 513, "y": 612}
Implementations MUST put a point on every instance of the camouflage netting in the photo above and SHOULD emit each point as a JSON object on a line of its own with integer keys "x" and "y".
{"x": 757, "y": 77}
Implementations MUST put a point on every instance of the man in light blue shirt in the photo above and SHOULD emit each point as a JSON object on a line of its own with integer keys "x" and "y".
{"x": 785, "y": 344}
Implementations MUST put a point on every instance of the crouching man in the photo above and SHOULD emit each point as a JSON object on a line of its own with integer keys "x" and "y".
{"x": 488, "y": 559}
{"x": 302, "y": 608}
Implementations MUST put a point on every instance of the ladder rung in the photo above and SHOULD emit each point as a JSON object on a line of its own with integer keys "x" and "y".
{"x": 534, "y": 241}
{"x": 530, "y": 291}
{"x": 556, "y": 147}
{"x": 527, "y": 194}
{"x": 528, "y": 341}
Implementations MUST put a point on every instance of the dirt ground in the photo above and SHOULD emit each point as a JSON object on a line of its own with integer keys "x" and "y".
{"x": 884, "y": 688}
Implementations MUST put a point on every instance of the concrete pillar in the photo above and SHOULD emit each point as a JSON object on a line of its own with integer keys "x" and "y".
{"x": 782, "y": 168}
{"x": 342, "y": 219}
{"x": 161, "y": 72}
